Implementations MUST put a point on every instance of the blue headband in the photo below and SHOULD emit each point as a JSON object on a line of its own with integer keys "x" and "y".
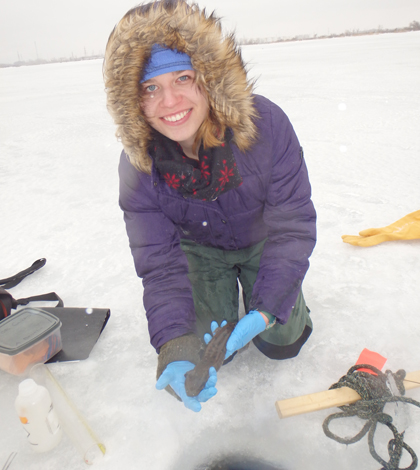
{"x": 164, "y": 60}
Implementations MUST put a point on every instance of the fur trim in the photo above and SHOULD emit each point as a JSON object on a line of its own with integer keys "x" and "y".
{"x": 217, "y": 61}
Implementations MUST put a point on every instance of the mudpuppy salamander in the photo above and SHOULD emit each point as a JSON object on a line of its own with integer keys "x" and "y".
{"x": 213, "y": 356}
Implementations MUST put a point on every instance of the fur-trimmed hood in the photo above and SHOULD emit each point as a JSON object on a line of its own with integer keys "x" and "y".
{"x": 216, "y": 59}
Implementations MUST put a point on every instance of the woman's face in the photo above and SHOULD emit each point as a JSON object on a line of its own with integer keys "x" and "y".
{"x": 174, "y": 106}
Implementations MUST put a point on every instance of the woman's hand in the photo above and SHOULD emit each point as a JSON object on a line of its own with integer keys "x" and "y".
{"x": 247, "y": 328}
{"x": 174, "y": 375}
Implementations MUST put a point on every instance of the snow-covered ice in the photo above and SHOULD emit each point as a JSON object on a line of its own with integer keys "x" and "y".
{"x": 355, "y": 105}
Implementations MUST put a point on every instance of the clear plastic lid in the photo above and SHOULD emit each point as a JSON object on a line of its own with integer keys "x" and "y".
{"x": 25, "y": 328}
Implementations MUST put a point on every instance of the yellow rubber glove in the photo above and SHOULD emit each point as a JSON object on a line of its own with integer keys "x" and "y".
{"x": 407, "y": 228}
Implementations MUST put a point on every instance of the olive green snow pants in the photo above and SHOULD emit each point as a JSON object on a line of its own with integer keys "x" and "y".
{"x": 214, "y": 276}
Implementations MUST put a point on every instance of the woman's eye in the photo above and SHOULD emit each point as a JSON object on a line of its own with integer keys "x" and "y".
{"x": 184, "y": 78}
{"x": 151, "y": 88}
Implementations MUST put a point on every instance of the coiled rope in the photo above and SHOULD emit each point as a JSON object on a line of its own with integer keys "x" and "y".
{"x": 375, "y": 394}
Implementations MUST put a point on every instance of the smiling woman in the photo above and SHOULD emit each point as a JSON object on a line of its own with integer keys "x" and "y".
{"x": 214, "y": 190}
{"x": 175, "y": 106}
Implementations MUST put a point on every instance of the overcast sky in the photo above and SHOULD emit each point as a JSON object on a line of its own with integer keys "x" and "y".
{"x": 54, "y": 28}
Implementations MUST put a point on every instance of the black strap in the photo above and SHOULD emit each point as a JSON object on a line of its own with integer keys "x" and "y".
{"x": 13, "y": 281}
{"x": 50, "y": 296}
{"x": 7, "y": 302}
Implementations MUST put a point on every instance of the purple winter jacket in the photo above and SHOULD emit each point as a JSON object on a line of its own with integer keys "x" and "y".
{"x": 273, "y": 203}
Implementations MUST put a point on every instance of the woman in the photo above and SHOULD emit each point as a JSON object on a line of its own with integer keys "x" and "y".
{"x": 214, "y": 189}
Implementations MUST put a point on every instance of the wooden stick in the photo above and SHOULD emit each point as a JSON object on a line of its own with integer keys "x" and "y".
{"x": 330, "y": 398}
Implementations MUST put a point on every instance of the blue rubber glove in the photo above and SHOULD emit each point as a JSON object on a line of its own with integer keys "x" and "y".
{"x": 174, "y": 375}
{"x": 251, "y": 325}
{"x": 214, "y": 325}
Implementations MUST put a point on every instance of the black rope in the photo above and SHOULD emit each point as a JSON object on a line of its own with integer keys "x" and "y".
{"x": 375, "y": 394}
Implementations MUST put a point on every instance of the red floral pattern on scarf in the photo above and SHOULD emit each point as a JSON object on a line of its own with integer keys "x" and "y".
{"x": 172, "y": 181}
{"x": 214, "y": 172}
{"x": 205, "y": 168}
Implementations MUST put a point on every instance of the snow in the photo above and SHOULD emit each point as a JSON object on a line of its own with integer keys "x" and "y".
{"x": 354, "y": 103}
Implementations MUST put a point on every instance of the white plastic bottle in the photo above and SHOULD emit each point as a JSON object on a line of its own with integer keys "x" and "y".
{"x": 37, "y": 415}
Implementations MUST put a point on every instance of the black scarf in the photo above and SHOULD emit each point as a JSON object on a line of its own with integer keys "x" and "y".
{"x": 213, "y": 174}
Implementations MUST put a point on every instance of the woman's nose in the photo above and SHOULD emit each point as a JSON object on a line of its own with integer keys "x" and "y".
{"x": 170, "y": 97}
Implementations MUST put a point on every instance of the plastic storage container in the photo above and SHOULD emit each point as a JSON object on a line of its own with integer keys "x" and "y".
{"x": 37, "y": 415}
{"x": 30, "y": 336}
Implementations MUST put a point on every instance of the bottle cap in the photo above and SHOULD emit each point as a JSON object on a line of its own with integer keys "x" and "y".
{"x": 27, "y": 387}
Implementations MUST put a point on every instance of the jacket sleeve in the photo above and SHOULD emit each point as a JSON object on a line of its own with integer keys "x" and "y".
{"x": 158, "y": 258}
{"x": 291, "y": 220}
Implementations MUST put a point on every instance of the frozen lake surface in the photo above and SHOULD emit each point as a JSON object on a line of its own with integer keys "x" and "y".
{"x": 355, "y": 105}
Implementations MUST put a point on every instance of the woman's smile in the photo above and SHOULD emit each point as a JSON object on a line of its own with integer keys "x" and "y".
{"x": 177, "y": 118}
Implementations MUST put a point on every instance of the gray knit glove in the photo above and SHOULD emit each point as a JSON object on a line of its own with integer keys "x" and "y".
{"x": 183, "y": 348}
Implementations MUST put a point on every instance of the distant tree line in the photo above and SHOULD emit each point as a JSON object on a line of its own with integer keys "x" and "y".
{"x": 413, "y": 26}
{"x": 52, "y": 61}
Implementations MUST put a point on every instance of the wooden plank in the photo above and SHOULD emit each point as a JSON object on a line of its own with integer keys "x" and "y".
{"x": 330, "y": 398}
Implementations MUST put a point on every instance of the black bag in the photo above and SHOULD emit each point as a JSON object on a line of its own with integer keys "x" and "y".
{"x": 7, "y": 302}
{"x": 81, "y": 327}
